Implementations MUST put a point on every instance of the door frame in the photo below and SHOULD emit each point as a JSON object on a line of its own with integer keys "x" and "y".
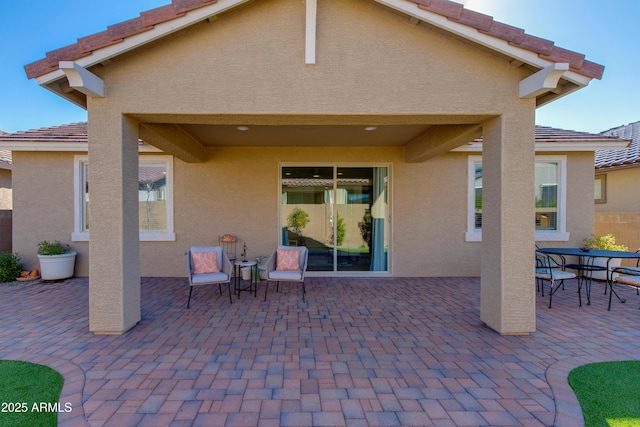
{"x": 335, "y": 166}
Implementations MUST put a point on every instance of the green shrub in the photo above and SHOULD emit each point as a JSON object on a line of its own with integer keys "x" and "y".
{"x": 607, "y": 242}
{"x": 297, "y": 220}
{"x": 10, "y": 266}
{"x": 341, "y": 231}
{"x": 52, "y": 248}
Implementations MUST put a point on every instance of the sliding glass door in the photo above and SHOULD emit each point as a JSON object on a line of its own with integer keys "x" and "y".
{"x": 341, "y": 214}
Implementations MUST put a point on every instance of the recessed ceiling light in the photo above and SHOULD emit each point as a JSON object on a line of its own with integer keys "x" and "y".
{"x": 370, "y": 128}
{"x": 243, "y": 128}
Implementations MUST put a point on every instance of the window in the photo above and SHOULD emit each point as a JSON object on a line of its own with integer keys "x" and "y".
{"x": 155, "y": 198}
{"x": 550, "y": 199}
{"x": 600, "y": 189}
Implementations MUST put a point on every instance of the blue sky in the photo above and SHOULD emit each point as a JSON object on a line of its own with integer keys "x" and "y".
{"x": 604, "y": 31}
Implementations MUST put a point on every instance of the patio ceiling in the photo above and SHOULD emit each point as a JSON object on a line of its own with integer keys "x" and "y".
{"x": 186, "y": 136}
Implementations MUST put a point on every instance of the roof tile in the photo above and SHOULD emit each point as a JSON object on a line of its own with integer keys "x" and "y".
{"x": 39, "y": 68}
{"x": 476, "y": 20}
{"x": 126, "y": 29}
{"x": 559, "y": 54}
{"x": 77, "y": 132}
{"x": 506, "y": 32}
{"x": 73, "y": 132}
{"x": 67, "y": 53}
{"x": 592, "y": 69}
{"x": 187, "y": 5}
{"x": 159, "y": 15}
{"x": 537, "y": 44}
{"x": 445, "y": 8}
{"x": 626, "y": 156}
{"x": 96, "y": 41}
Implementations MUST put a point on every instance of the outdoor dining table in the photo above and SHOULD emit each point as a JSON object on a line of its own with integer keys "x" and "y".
{"x": 595, "y": 253}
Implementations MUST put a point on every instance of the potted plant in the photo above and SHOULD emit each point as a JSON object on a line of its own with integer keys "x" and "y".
{"x": 57, "y": 260}
{"x": 608, "y": 243}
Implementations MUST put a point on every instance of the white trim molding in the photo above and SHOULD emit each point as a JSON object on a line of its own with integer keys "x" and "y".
{"x": 543, "y": 81}
{"x": 310, "y": 32}
{"x": 82, "y": 79}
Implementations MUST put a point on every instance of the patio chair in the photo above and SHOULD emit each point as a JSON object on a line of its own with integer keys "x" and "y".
{"x": 208, "y": 265}
{"x": 624, "y": 275}
{"x": 287, "y": 264}
{"x": 547, "y": 269}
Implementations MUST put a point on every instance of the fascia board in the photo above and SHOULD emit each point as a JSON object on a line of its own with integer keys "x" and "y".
{"x": 60, "y": 146}
{"x": 555, "y": 147}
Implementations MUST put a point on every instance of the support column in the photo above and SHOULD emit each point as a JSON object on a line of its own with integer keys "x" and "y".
{"x": 508, "y": 228}
{"x": 114, "y": 259}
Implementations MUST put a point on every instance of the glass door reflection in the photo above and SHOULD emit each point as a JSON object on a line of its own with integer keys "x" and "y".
{"x": 340, "y": 214}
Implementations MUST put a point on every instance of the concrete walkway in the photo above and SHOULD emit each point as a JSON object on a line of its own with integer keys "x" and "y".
{"x": 359, "y": 352}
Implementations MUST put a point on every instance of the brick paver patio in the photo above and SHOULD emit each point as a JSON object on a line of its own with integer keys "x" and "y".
{"x": 359, "y": 352}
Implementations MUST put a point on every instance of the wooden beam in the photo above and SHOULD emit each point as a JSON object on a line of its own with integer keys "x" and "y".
{"x": 172, "y": 139}
{"x": 82, "y": 79}
{"x": 310, "y": 36}
{"x": 543, "y": 81}
{"x": 439, "y": 140}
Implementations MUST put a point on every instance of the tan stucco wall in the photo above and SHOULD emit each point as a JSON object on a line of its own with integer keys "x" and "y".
{"x": 623, "y": 191}
{"x": 43, "y": 205}
{"x": 620, "y": 215}
{"x": 236, "y": 191}
{"x": 369, "y": 61}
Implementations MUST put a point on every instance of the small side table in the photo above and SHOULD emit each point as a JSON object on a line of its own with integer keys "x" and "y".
{"x": 253, "y": 285}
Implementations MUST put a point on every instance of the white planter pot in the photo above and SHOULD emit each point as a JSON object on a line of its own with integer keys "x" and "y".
{"x": 602, "y": 262}
{"x": 246, "y": 273}
{"x": 56, "y": 267}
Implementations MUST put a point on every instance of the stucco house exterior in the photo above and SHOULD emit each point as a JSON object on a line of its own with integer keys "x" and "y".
{"x": 357, "y": 112}
{"x": 617, "y": 194}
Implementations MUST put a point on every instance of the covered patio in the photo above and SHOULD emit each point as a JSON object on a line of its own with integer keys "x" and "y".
{"x": 376, "y": 351}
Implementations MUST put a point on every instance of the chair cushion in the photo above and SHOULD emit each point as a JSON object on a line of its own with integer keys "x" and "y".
{"x": 205, "y": 262}
{"x": 634, "y": 271}
{"x": 629, "y": 280}
{"x": 287, "y": 260}
{"x": 198, "y": 279}
{"x": 285, "y": 275}
{"x": 549, "y": 274}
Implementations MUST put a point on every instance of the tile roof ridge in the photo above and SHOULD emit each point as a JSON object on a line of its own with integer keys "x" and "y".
{"x": 621, "y": 157}
{"x": 62, "y": 127}
{"x": 453, "y": 11}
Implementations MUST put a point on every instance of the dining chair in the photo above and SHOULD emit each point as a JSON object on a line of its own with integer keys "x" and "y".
{"x": 547, "y": 269}
{"x": 633, "y": 281}
{"x": 286, "y": 264}
{"x": 625, "y": 275}
{"x": 208, "y": 265}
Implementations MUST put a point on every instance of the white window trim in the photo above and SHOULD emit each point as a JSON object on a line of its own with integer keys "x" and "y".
{"x": 79, "y": 234}
{"x": 561, "y": 235}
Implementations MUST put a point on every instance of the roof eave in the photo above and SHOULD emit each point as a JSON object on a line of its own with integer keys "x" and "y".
{"x": 43, "y": 145}
{"x": 571, "y": 80}
{"x": 565, "y": 146}
{"x": 56, "y": 80}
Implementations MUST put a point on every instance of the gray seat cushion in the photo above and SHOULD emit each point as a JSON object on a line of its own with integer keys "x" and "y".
{"x": 285, "y": 275}
{"x": 208, "y": 278}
